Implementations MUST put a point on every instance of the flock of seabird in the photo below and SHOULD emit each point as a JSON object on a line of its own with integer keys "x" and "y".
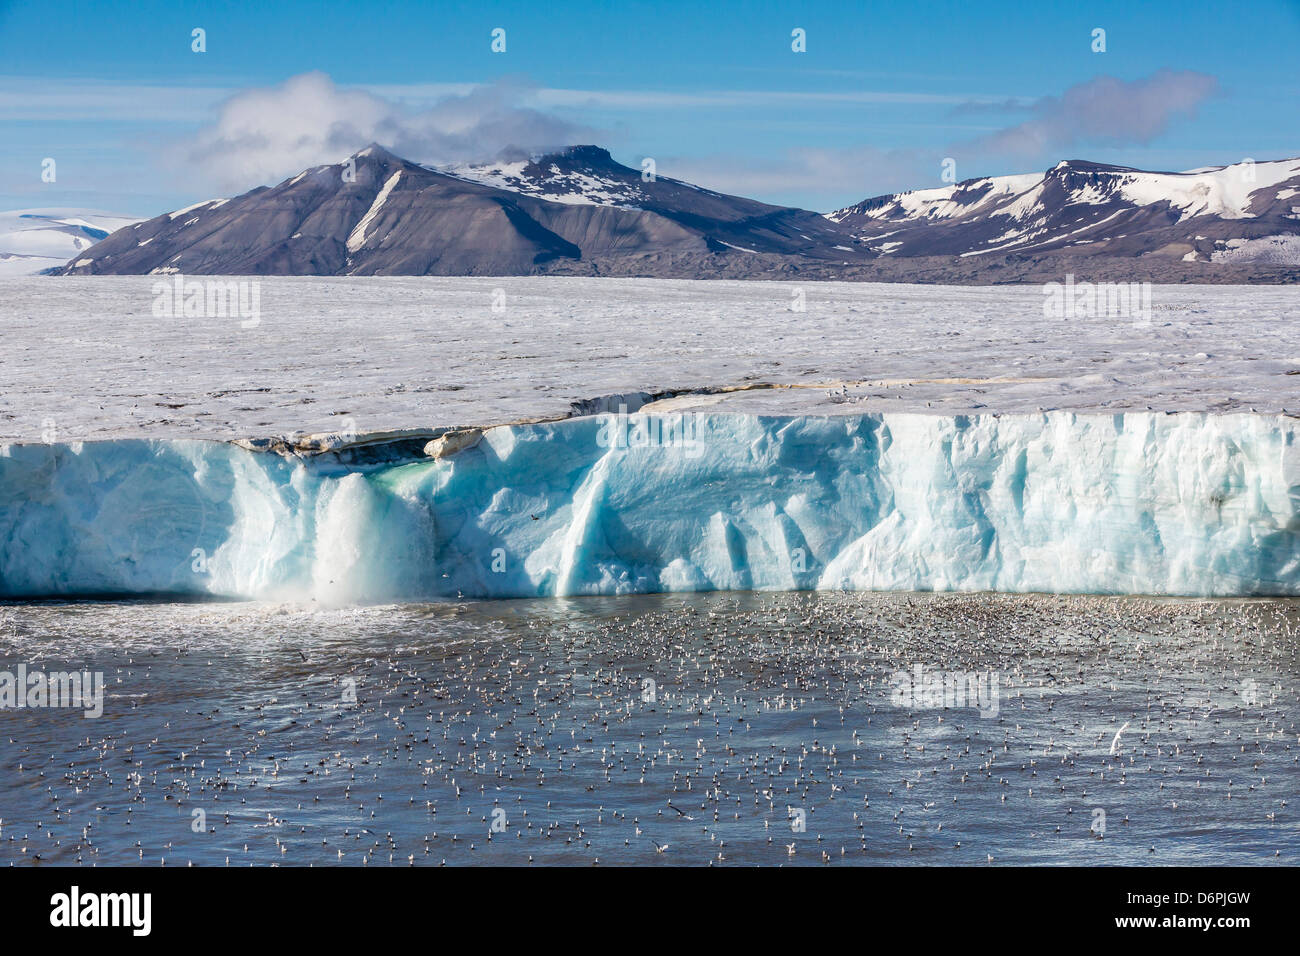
{"x": 686, "y": 730}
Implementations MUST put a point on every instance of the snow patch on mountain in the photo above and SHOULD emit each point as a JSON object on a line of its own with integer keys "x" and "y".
{"x": 946, "y": 202}
{"x": 214, "y": 203}
{"x": 357, "y": 238}
{"x": 547, "y": 179}
{"x": 1282, "y": 250}
{"x": 1225, "y": 191}
{"x": 1079, "y": 203}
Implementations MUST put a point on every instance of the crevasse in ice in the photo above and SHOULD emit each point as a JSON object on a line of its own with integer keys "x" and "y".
{"x": 1186, "y": 504}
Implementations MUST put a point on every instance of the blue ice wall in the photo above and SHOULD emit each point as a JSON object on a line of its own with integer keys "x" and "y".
{"x": 1180, "y": 504}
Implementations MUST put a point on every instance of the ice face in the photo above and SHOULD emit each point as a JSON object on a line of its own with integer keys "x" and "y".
{"x": 1180, "y": 504}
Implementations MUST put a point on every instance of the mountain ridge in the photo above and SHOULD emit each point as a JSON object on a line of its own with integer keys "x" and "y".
{"x": 1194, "y": 215}
{"x": 579, "y": 211}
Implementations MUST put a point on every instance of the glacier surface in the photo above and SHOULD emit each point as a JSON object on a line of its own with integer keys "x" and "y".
{"x": 85, "y": 358}
{"x": 1132, "y": 502}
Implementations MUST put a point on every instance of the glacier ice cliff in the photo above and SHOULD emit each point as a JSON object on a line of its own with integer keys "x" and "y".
{"x": 1178, "y": 504}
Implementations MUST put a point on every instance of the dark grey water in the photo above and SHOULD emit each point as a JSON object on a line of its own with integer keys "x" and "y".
{"x": 1105, "y": 731}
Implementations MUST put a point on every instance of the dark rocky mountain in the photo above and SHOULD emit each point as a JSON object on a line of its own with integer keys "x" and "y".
{"x": 388, "y": 216}
{"x": 579, "y": 212}
{"x": 588, "y": 175}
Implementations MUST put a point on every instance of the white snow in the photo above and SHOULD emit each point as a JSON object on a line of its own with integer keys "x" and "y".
{"x": 358, "y": 237}
{"x": 1029, "y": 201}
{"x": 1090, "y": 195}
{"x": 1008, "y": 240}
{"x": 1019, "y": 242}
{"x": 1281, "y": 250}
{"x": 32, "y": 240}
{"x": 555, "y": 185}
{"x": 1221, "y": 191}
{"x": 398, "y": 352}
{"x": 198, "y": 205}
{"x": 941, "y": 202}
{"x": 1224, "y": 192}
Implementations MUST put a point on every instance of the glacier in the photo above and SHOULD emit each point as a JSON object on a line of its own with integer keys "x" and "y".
{"x": 1185, "y": 503}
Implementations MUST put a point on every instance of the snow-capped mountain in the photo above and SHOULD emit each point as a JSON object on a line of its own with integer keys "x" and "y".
{"x": 378, "y": 214}
{"x": 578, "y": 211}
{"x": 1221, "y": 213}
{"x": 589, "y": 175}
{"x": 32, "y": 240}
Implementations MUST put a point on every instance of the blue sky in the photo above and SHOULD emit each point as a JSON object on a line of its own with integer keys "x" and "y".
{"x": 139, "y": 123}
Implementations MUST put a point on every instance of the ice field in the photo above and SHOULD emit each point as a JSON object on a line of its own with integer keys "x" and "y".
{"x": 625, "y": 437}
{"x": 86, "y": 356}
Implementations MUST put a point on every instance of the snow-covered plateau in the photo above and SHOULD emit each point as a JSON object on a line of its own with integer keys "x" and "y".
{"x": 885, "y": 437}
{"x": 35, "y": 239}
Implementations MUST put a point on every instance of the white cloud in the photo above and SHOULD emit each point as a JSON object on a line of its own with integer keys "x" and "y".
{"x": 1104, "y": 111}
{"x": 263, "y": 135}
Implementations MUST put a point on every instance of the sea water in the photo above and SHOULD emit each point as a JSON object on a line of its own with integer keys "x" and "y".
{"x": 701, "y": 729}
